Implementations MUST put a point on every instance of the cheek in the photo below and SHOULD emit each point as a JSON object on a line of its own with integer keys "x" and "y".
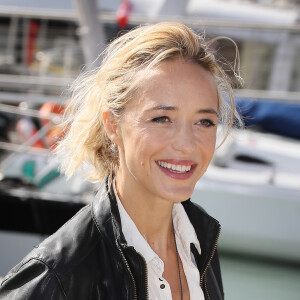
{"x": 209, "y": 145}
{"x": 148, "y": 140}
{"x": 136, "y": 145}
{"x": 212, "y": 143}
{"x": 146, "y": 146}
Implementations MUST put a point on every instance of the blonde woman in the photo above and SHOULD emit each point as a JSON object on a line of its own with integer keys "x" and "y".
{"x": 145, "y": 125}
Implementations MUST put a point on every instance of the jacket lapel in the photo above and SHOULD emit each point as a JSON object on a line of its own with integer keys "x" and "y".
{"x": 207, "y": 230}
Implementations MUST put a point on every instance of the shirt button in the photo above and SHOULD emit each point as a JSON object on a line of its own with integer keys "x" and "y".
{"x": 162, "y": 286}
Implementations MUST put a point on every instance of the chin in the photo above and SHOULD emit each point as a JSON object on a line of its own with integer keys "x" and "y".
{"x": 179, "y": 196}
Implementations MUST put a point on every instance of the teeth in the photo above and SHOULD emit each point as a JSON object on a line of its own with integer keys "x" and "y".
{"x": 174, "y": 168}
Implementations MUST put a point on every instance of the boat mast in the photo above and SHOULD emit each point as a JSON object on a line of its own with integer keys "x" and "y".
{"x": 92, "y": 35}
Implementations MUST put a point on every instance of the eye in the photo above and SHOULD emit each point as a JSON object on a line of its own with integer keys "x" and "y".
{"x": 161, "y": 119}
{"x": 207, "y": 123}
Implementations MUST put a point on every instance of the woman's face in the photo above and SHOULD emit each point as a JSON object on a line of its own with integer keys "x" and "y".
{"x": 166, "y": 137}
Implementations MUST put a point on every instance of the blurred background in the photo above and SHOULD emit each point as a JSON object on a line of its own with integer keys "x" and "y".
{"x": 253, "y": 184}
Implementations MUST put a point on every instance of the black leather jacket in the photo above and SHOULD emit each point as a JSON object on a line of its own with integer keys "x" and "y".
{"x": 88, "y": 258}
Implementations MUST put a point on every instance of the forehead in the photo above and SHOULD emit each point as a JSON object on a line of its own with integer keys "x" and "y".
{"x": 175, "y": 82}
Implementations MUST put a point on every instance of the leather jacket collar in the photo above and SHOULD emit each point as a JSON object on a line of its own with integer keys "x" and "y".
{"x": 106, "y": 216}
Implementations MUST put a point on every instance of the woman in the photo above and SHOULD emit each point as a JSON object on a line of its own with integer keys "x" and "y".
{"x": 147, "y": 123}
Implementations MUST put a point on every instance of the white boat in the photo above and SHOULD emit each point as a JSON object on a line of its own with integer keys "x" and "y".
{"x": 253, "y": 188}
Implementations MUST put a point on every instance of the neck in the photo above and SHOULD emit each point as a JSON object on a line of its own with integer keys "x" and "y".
{"x": 151, "y": 215}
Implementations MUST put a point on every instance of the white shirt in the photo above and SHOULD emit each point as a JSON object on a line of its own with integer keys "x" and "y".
{"x": 158, "y": 287}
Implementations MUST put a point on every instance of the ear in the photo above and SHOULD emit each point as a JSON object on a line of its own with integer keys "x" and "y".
{"x": 111, "y": 126}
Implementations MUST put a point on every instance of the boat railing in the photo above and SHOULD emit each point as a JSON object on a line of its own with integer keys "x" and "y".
{"x": 27, "y": 146}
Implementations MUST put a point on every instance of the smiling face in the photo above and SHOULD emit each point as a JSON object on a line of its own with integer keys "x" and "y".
{"x": 166, "y": 136}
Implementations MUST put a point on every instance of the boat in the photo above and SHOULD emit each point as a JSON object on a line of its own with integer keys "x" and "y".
{"x": 253, "y": 184}
{"x": 35, "y": 198}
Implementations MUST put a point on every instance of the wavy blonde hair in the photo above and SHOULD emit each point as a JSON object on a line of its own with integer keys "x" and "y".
{"x": 112, "y": 85}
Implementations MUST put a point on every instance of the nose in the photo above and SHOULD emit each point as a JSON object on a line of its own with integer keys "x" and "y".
{"x": 184, "y": 139}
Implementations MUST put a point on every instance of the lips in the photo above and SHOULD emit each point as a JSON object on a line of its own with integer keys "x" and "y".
{"x": 177, "y": 169}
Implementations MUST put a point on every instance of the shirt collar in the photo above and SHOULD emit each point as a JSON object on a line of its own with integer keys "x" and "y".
{"x": 184, "y": 231}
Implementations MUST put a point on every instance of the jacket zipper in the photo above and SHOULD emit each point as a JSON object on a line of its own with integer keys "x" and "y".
{"x": 128, "y": 268}
{"x": 203, "y": 275}
{"x": 146, "y": 276}
{"x": 202, "y": 278}
{"x": 206, "y": 289}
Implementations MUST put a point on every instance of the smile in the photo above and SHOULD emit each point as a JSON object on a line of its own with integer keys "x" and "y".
{"x": 174, "y": 168}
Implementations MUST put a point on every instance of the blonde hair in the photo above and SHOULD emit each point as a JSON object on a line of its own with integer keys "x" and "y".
{"x": 111, "y": 87}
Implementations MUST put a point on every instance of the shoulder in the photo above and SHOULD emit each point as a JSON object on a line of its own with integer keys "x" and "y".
{"x": 57, "y": 258}
{"x": 61, "y": 250}
{"x": 31, "y": 279}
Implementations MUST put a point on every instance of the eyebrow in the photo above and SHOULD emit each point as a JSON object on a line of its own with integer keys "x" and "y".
{"x": 174, "y": 108}
{"x": 163, "y": 107}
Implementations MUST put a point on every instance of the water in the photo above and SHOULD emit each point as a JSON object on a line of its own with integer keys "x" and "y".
{"x": 249, "y": 279}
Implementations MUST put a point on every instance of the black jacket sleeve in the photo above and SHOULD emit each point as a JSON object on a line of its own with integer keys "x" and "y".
{"x": 32, "y": 280}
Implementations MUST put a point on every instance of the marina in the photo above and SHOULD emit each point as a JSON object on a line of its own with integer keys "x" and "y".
{"x": 253, "y": 184}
